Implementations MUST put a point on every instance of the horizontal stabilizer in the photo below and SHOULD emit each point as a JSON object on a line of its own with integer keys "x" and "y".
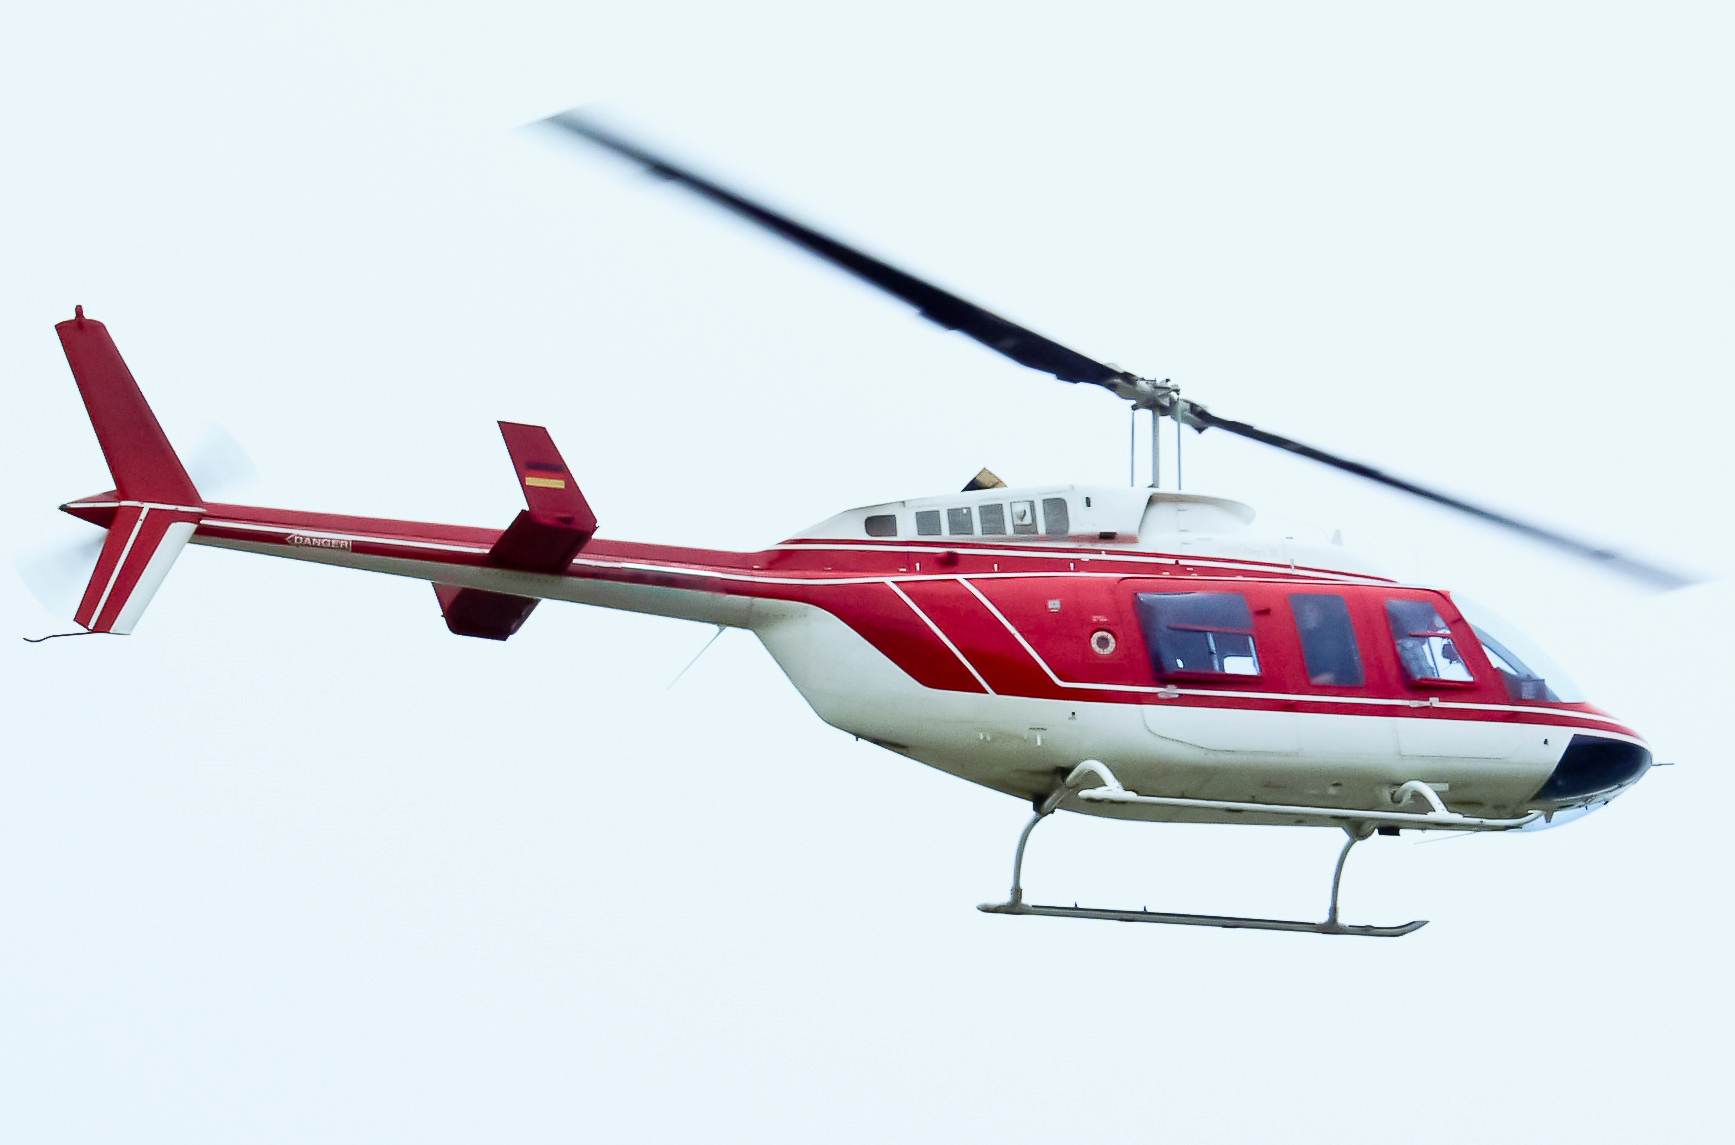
{"x": 542, "y": 539}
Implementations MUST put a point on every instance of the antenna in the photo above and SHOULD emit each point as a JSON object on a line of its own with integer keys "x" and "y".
{"x": 1156, "y": 450}
{"x": 1133, "y": 448}
{"x": 1179, "y": 484}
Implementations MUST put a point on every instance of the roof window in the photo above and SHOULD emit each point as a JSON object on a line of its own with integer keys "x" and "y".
{"x": 1054, "y": 517}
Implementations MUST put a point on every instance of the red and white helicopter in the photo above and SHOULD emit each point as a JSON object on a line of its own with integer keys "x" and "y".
{"x": 1124, "y": 652}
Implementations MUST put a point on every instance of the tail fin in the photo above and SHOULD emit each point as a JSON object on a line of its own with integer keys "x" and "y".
{"x": 142, "y": 544}
{"x": 143, "y": 462}
{"x": 158, "y": 508}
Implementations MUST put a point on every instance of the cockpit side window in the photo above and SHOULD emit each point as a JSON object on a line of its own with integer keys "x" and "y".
{"x": 1521, "y": 682}
{"x": 1189, "y": 632}
{"x": 1528, "y": 672}
{"x": 1328, "y": 647}
{"x": 1425, "y": 645}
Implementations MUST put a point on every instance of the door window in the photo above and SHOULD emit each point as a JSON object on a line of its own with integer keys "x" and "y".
{"x": 1209, "y": 632}
{"x": 1328, "y": 646}
{"x": 1425, "y": 645}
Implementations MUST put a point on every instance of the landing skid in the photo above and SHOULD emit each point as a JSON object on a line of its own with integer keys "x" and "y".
{"x": 1226, "y": 921}
{"x": 1015, "y": 904}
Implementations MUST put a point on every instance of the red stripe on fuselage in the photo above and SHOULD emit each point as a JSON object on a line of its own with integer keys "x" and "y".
{"x": 990, "y": 648}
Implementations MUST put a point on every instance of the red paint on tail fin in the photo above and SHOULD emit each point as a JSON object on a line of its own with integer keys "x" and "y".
{"x": 143, "y": 463}
{"x": 142, "y": 543}
{"x": 156, "y": 510}
{"x": 549, "y": 487}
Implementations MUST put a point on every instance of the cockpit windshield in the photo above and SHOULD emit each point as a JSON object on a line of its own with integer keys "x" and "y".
{"x": 1528, "y": 671}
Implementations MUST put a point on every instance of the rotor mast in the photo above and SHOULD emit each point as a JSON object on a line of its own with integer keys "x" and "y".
{"x": 1161, "y": 399}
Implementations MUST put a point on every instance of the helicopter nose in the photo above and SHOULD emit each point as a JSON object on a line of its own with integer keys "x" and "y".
{"x": 1594, "y": 765}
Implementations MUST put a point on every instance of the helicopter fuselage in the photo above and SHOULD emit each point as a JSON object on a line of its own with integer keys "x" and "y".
{"x": 933, "y": 629}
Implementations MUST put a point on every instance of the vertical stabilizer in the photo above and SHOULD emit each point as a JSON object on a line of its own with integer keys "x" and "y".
{"x": 139, "y": 455}
{"x": 142, "y": 544}
{"x": 158, "y": 508}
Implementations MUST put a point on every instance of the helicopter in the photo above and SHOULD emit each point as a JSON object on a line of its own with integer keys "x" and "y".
{"x": 1131, "y": 652}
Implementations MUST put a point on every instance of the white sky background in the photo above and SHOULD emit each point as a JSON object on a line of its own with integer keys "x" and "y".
{"x": 295, "y": 864}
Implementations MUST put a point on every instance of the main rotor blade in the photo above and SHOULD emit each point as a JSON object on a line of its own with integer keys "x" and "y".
{"x": 1029, "y": 348}
{"x": 1023, "y": 346}
{"x": 1652, "y": 575}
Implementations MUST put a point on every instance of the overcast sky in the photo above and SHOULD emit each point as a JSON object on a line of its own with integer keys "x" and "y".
{"x": 292, "y": 863}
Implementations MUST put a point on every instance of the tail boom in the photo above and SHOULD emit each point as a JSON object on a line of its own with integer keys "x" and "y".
{"x": 661, "y": 580}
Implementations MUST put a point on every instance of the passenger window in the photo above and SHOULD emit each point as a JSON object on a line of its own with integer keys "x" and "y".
{"x": 882, "y": 525}
{"x": 1198, "y": 632}
{"x": 1327, "y": 640}
{"x": 960, "y": 522}
{"x": 1054, "y": 516}
{"x": 1425, "y": 646}
{"x": 993, "y": 520}
{"x": 928, "y": 523}
{"x": 1024, "y": 516}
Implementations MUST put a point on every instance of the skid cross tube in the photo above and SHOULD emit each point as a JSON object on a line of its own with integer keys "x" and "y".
{"x": 1015, "y": 904}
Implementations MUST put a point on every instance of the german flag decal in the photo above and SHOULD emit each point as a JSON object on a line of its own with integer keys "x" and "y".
{"x": 545, "y": 482}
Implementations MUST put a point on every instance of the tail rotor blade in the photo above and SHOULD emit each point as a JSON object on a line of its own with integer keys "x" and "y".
{"x": 56, "y": 574}
{"x": 219, "y": 465}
